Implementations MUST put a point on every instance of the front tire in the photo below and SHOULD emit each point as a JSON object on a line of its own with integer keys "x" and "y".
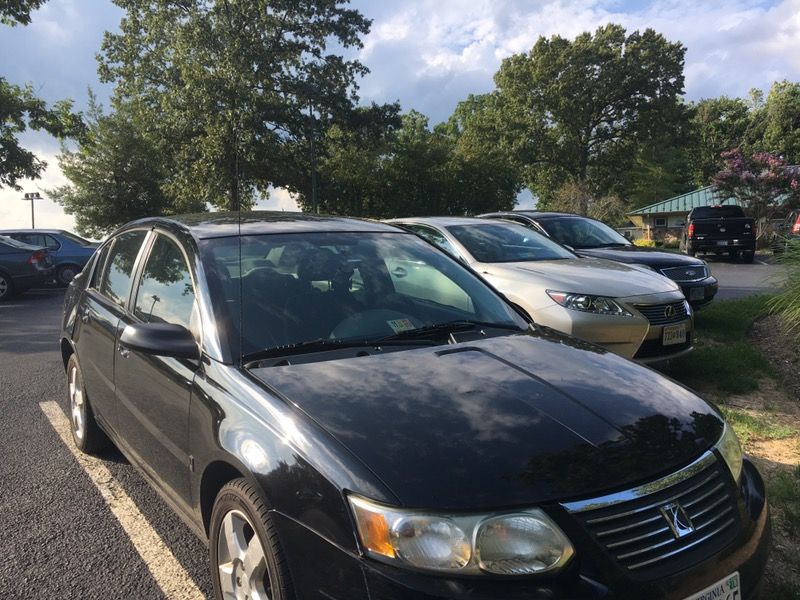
{"x": 6, "y": 287}
{"x": 748, "y": 256}
{"x": 247, "y": 561}
{"x": 86, "y": 434}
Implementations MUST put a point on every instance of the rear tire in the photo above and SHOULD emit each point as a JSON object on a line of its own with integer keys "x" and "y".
{"x": 748, "y": 256}
{"x": 734, "y": 254}
{"x": 65, "y": 274}
{"x": 86, "y": 434}
{"x": 246, "y": 556}
{"x": 6, "y": 287}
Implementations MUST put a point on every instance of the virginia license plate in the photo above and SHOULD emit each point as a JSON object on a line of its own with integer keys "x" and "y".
{"x": 725, "y": 589}
{"x": 674, "y": 334}
{"x": 697, "y": 293}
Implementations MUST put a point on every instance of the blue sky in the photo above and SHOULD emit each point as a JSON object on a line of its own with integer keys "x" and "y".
{"x": 428, "y": 54}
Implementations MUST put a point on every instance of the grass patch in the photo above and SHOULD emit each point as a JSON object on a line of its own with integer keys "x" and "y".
{"x": 756, "y": 426}
{"x": 723, "y": 358}
{"x": 784, "y": 492}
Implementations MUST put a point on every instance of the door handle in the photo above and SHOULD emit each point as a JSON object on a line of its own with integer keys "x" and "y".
{"x": 399, "y": 272}
{"x": 85, "y": 317}
{"x": 123, "y": 351}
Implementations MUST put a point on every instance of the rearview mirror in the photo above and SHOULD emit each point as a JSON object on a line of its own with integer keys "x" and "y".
{"x": 160, "y": 339}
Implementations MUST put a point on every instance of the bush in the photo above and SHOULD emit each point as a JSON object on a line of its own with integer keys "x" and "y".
{"x": 643, "y": 243}
{"x": 787, "y": 303}
{"x": 672, "y": 244}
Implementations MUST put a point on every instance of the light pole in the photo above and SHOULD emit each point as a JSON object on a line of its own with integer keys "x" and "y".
{"x": 33, "y": 196}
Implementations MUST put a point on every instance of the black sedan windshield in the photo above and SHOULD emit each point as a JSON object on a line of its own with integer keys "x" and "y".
{"x": 582, "y": 233}
{"x": 506, "y": 242}
{"x": 291, "y": 289}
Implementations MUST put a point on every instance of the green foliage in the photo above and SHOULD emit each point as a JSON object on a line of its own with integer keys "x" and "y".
{"x": 409, "y": 170}
{"x": 751, "y": 426}
{"x": 784, "y": 491}
{"x": 21, "y": 110}
{"x": 581, "y": 110}
{"x": 116, "y": 175}
{"x": 787, "y": 302}
{"x": 643, "y": 243}
{"x": 18, "y": 12}
{"x": 781, "y": 121}
{"x": 224, "y": 88}
{"x": 718, "y": 124}
{"x": 577, "y": 198}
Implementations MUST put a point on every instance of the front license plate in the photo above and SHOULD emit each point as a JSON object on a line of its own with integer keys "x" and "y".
{"x": 725, "y": 589}
{"x": 674, "y": 334}
{"x": 697, "y": 293}
{"x": 722, "y": 243}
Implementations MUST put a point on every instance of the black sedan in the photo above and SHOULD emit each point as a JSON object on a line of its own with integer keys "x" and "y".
{"x": 591, "y": 238}
{"x": 344, "y": 411}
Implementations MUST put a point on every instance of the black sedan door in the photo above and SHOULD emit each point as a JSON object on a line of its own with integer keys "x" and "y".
{"x": 153, "y": 392}
{"x": 101, "y": 307}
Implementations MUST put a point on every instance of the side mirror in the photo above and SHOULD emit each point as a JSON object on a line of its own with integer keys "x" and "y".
{"x": 160, "y": 339}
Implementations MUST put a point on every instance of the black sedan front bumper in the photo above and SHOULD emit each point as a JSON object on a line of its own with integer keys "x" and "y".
{"x": 699, "y": 293}
{"x": 335, "y": 573}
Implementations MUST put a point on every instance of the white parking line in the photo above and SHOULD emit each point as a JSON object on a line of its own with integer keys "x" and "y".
{"x": 168, "y": 573}
{"x": 760, "y": 262}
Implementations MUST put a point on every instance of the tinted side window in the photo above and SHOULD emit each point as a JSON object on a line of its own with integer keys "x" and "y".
{"x": 117, "y": 269}
{"x": 166, "y": 293}
{"x": 434, "y": 237}
{"x": 99, "y": 261}
{"x": 51, "y": 242}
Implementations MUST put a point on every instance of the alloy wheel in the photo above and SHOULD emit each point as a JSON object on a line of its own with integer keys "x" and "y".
{"x": 242, "y": 562}
{"x": 3, "y": 287}
{"x": 66, "y": 275}
{"x": 77, "y": 405}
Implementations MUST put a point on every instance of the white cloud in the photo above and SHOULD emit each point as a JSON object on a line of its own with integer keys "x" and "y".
{"x": 279, "y": 199}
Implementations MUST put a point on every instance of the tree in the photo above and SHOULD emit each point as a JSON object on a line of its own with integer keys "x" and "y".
{"x": 577, "y": 198}
{"x": 115, "y": 176}
{"x": 577, "y": 110}
{"x": 761, "y": 183}
{"x": 226, "y": 87}
{"x": 718, "y": 124}
{"x": 781, "y": 121}
{"x": 20, "y": 110}
{"x": 18, "y": 12}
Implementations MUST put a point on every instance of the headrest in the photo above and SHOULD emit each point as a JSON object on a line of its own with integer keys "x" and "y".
{"x": 322, "y": 264}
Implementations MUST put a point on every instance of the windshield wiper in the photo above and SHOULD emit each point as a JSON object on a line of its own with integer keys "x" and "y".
{"x": 449, "y": 327}
{"x": 609, "y": 245}
{"x": 321, "y": 345}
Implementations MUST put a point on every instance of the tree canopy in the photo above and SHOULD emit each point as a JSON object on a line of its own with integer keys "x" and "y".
{"x": 578, "y": 110}
{"x": 227, "y": 88}
{"x": 115, "y": 175}
{"x": 18, "y": 12}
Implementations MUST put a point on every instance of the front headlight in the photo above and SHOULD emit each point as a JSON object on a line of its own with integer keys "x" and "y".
{"x": 728, "y": 446}
{"x": 600, "y": 305}
{"x": 520, "y": 543}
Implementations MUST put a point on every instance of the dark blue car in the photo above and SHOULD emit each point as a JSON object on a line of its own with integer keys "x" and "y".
{"x": 69, "y": 251}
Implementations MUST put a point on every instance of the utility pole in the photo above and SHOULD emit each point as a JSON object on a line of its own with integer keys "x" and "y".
{"x": 33, "y": 196}
{"x": 314, "y": 199}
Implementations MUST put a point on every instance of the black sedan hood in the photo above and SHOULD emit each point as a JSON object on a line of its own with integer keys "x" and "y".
{"x": 505, "y": 421}
{"x": 641, "y": 256}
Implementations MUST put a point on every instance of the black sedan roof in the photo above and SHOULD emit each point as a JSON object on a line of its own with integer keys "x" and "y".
{"x": 227, "y": 224}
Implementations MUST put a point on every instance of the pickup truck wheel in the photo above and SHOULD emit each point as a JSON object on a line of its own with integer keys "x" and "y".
{"x": 748, "y": 256}
{"x": 6, "y": 287}
{"x": 734, "y": 254}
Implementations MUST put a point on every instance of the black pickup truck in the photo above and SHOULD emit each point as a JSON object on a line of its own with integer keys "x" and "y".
{"x": 718, "y": 230}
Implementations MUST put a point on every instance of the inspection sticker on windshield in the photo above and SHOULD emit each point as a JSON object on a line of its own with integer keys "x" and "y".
{"x": 725, "y": 589}
{"x": 400, "y": 325}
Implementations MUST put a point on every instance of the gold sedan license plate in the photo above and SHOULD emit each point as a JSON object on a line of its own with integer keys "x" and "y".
{"x": 674, "y": 334}
{"x": 724, "y": 589}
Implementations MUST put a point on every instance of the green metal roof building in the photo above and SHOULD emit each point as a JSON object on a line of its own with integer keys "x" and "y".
{"x": 660, "y": 217}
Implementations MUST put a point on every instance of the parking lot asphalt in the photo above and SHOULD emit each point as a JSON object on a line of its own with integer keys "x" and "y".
{"x": 68, "y": 531}
{"x": 738, "y": 279}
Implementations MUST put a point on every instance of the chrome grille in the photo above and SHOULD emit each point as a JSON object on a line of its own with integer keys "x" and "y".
{"x": 639, "y": 537}
{"x": 663, "y": 314}
{"x": 685, "y": 274}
